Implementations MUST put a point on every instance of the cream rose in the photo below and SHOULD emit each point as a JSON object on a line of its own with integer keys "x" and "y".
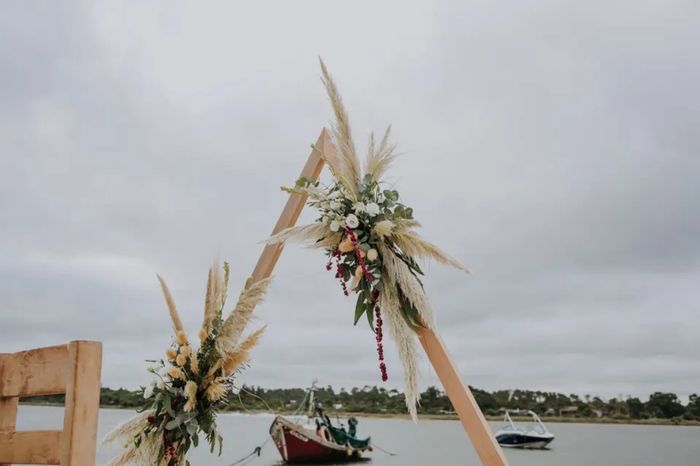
{"x": 352, "y": 221}
{"x": 372, "y": 209}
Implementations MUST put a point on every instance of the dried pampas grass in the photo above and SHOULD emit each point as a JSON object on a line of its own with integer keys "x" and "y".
{"x": 380, "y": 158}
{"x": 310, "y": 234}
{"x": 401, "y": 277}
{"x": 242, "y": 353}
{"x": 174, "y": 316}
{"x": 235, "y": 323}
{"x": 413, "y": 245}
{"x": 404, "y": 339}
{"x": 128, "y": 428}
{"x": 347, "y": 168}
{"x": 215, "y": 297}
{"x": 146, "y": 453}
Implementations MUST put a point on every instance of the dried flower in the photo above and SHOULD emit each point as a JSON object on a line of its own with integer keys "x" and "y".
{"x": 383, "y": 228}
{"x": 194, "y": 363}
{"x": 186, "y": 350}
{"x": 346, "y": 245}
{"x": 203, "y": 334}
{"x": 216, "y": 389}
{"x": 358, "y": 272}
{"x": 191, "y": 396}
{"x": 372, "y": 255}
{"x": 181, "y": 338}
{"x": 171, "y": 353}
{"x": 175, "y": 373}
{"x": 181, "y": 359}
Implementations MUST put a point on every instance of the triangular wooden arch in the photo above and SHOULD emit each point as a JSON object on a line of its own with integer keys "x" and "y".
{"x": 460, "y": 395}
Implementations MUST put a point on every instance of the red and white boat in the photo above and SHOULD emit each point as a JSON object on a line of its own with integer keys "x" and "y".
{"x": 315, "y": 440}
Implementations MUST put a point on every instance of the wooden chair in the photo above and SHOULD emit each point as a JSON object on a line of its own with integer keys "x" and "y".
{"x": 73, "y": 369}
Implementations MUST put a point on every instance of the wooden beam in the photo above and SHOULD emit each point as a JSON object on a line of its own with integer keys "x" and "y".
{"x": 35, "y": 447}
{"x": 292, "y": 209}
{"x": 460, "y": 395}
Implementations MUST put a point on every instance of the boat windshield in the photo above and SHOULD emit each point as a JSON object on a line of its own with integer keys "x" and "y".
{"x": 534, "y": 426}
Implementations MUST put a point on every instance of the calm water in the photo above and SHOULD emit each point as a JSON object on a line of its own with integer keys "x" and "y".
{"x": 435, "y": 443}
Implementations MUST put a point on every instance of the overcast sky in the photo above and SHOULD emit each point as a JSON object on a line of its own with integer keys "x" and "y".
{"x": 551, "y": 146}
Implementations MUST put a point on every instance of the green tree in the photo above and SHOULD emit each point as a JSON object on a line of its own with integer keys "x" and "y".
{"x": 635, "y": 408}
{"x": 664, "y": 405}
{"x": 694, "y": 407}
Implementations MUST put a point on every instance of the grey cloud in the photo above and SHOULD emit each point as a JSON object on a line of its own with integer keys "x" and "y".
{"x": 550, "y": 146}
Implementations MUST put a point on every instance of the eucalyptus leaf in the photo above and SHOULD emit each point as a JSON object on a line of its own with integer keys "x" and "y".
{"x": 360, "y": 307}
{"x": 172, "y": 424}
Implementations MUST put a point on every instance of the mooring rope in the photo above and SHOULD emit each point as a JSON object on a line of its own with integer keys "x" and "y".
{"x": 250, "y": 456}
{"x": 374, "y": 445}
{"x": 258, "y": 450}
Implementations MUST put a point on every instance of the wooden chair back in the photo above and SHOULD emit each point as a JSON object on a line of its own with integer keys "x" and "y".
{"x": 73, "y": 369}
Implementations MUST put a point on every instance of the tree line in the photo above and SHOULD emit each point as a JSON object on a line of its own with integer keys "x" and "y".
{"x": 374, "y": 400}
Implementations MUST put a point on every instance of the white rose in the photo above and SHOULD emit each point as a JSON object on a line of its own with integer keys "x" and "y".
{"x": 359, "y": 207}
{"x": 372, "y": 255}
{"x": 335, "y": 225}
{"x": 335, "y": 205}
{"x": 372, "y": 209}
{"x": 352, "y": 221}
{"x": 148, "y": 391}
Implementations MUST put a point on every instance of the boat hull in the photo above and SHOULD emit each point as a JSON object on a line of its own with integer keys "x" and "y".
{"x": 298, "y": 445}
{"x": 516, "y": 440}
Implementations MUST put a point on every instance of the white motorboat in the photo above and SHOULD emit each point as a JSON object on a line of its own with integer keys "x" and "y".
{"x": 533, "y": 435}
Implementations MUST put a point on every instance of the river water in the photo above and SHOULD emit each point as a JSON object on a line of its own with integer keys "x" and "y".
{"x": 432, "y": 443}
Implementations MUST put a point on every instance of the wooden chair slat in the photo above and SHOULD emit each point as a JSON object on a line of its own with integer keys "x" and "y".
{"x": 34, "y": 447}
{"x": 82, "y": 403}
{"x": 34, "y": 372}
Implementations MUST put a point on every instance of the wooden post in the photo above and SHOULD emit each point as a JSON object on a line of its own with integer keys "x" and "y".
{"x": 8, "y": 409}
{"x": 79, "y": 437}
{"x": 461, "y": 397}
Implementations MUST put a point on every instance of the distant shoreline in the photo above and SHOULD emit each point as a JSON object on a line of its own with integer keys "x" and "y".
{"x": 453, "y": 417}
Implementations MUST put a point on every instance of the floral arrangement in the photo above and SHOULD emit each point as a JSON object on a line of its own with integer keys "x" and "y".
{"x": 191, "y": 385}
{"x": 371, "y": 242}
